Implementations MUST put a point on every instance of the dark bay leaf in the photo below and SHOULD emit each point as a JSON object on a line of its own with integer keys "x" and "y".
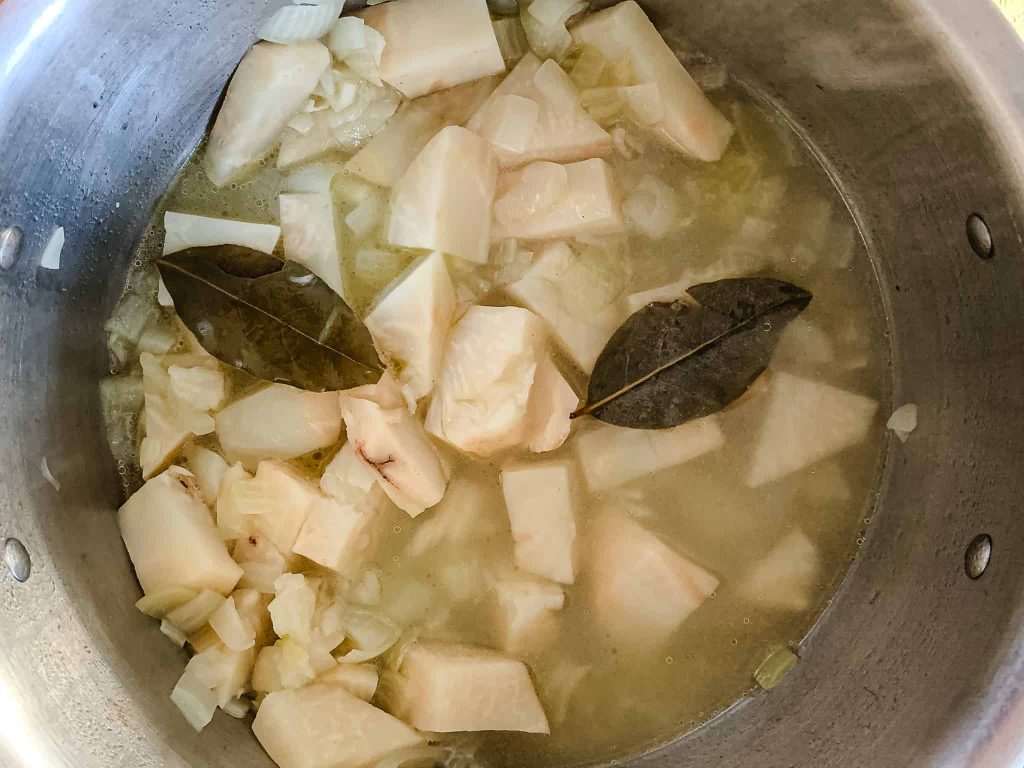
{"x": 673, "y": 362}
{"x": 272, "y": 319}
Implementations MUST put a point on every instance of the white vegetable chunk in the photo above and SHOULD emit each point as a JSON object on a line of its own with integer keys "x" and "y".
{"x": 445, "y": 688}
{"x": 50, "y": 258}
{"x": 805, "y": 422}
{"x": 431, "y": 45}
{"x": 785, "y": 578}
{"x": 386, "y": 438}
{"x": 410, "y": 322}
{"x": 903, "y": 421}
{"x": 640, "y": 590}
{"x": 527, "y": 612}
{"x": 209, "y": 468}
{"x": 171, "y": 538}
{"x": 457, "y": 520}
{"x": 689, "y": 121}
{"x": 194, "y": 698}
{"x": 283, "y": 497}
{"x": 278, "y": 422}
{"x": 539, "y": 501}
{"x": 271, "y": 84}
{"x": 589, "y": 206}
{"x": 804, "y": 342}
{"x": 185, "y": 230}
{"x": 443, "y": 202}
{"x": 535, "y": 114}
{"x": 307, "y": 222}
{"x": 542, "y": 289}
{"x": 482, "y": 398}
{"x": 292, "y": 608}
{"x": 283, "y": 665}
{"x": 552, "y": 401}
{"x": 358, "y": 679}
{"x": 357, "y": 45}
{"x": 336, "y": 533}
{"x": 325, "y": 726}
{"x": 611, "y": 456}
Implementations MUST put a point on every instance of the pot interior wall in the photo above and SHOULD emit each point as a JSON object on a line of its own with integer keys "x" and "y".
{"x": 101, "y": 101}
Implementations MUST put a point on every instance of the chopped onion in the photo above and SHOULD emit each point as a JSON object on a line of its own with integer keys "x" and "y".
{"x": 51, "y": 253}
{"x": 131, "y": 316}
{"x": 163, "y": 296}
{"x": 589, "y": 67}
{"x": 158, "y": 339}
{"x": 777, "y": 664}
{"x": 903, "y": 421}
{"x": 292, "y": 608}
{"x": 302, "y": 122}
{"x": 312, "y": 178}
{"x": 161, "y": 603}
{"x": 48, "y": 475}
{"x": 510, "y": 262}
{"x": 296, "y": 23}
{"x": 652, "y": 208}
{"x": 196, "y": 700}
{"x": 550, "y": 41}
{"x": 258, "y": 576}
{"x": 230, "y": 628}
{"x": 512, "y": 40}
{"x": 551, "y": 13}
{"x": 196, "y": 612}
{"x": 367, "y": 588}
{"x": 176, "y": 636}
{"x": 603, "y": 104}
{"x": 369, "y": 635}
{"x": 237, "y": 708}
{"x": 202, "y": 388}
{"x": 368, "y": 215}
{"x": 358, "y": 45}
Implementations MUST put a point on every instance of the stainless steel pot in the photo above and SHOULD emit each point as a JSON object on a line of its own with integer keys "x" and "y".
{"x": 918, "y": 109}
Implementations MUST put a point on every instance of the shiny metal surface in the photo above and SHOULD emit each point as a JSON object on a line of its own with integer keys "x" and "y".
{"x": 917, "y": 107}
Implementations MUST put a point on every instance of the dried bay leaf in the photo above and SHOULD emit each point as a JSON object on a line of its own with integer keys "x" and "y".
{"x": 673, "y": 362}
{"x": 270, "y": 318}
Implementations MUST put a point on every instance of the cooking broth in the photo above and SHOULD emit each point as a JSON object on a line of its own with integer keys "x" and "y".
{"x": 766, "y": 208}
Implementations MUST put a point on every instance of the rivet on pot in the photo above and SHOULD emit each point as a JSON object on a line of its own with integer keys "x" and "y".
{"x": 977, "y": 556}
{"x": 10, "y": 245}
{"x": 19, "y": 564}
{"x": 980, "y": 237}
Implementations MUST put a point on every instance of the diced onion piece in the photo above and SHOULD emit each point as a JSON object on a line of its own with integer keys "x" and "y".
{"x": 292, "y": 608}
{"x": 184, "y": 230}
{"x": 511, "y": 38}
{"x": 777, "y": 664}
{"x": 302, "y": 122}
{"x": 228, "y": 625}
{"x": 357, "y": 45}
{"x": 161, "y": 603}
{"x": 605, "y": 104}
{"x": 652, "y": 207}
{"x": 589, "y": 67}
{"x": 377, "y": 267}
{"x": 202, "y": 388}
{"x": 296, "y": 23}
{"x": 196, "y": 612}
{"x": 903, "y": 421}
{"x": 312, "y": 178}
{"x": 196, "y": 700}
{"x": 553, "y": 12}
{"x": 175, "y": 635}
{"x": 157, "y": 339}
{"x": 131, "y": 317}
{"x": 237, "y": 708}
{"x": 369, "y": 635}
{"x": 367, "y": 588}
{"x": 51, "y": 253}
{"x": 367, "y": 216}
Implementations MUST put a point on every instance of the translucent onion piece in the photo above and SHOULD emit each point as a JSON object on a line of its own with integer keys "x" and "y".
{"x": 589, "y": 67}
{"x": 903, "y": 421}
{"x": 367, "y": 216}
{"x": 512, "y": 40}
{"x": 312, "y": 178}
{"x": 175, "y": 635}
{"x": 779, "y": 662}
{"x": 553, "y": 12}
{"x": 196, "y": 700}
{"x": 367, "y": 588}
{"x": 230, "y": 628}
{"x": 51, "y": 253}
{"x": 369, "y": 634}
{"x": 652, "y": 208}
{"x": 237, "y": 708}
{"x": 292, "y": 609}
{"x": 295, "y": 23}
{"x": 161, "y": 603}
{"x": 196, "y": 612}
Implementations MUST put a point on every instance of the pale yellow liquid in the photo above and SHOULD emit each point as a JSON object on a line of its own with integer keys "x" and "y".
{"x": 627, "y": 704}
